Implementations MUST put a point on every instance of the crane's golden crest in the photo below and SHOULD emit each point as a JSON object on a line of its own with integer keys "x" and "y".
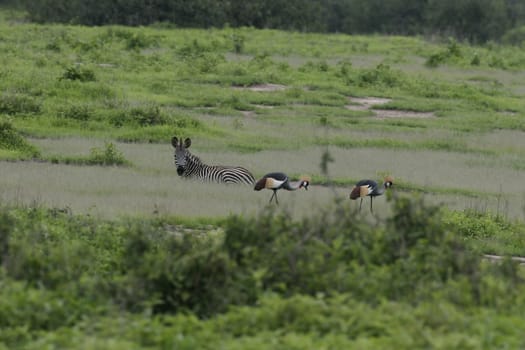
{"x": 305, "y": 178}
{"x": 305, "y": 181}
{"x": 389, "y": 179}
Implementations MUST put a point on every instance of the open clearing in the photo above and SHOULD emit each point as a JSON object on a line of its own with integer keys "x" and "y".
{"x": 454, "y": 132}
{"x": 103, "y": 244}
{"x": 151, "y": 185}
{"x": 370, "y": 103}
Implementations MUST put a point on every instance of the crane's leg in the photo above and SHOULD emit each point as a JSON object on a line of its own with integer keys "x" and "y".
{"x": 371, "y": 210}
{"x": 276, "y": 200}
{"x": 360, "y": 203}
{"x": 273, "y": 195}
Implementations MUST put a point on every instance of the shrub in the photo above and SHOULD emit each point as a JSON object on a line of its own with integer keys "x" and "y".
{"x": 452, "y": 51}
{"x": 476, "y": 61}
{"x": 515, "y": 36}
{"x": 149, "y": 115}
{"x": 10, "y": 139}
{"x": 11, "y": 103}
{"x": 311, "y": 256}
{"x": 344, "y": 71}
{"x": 310, "y": 66}
{"x": 109, "y": 155}
{"x": 238, "y": 42}
{"x": 137, "y": 41}
{"x": 78, "y": 73}
{"x": 436, "y": 59}
{"x": 332, "y": 251}
{"x": 77, "y": 112}
{"x": 331, "y": 273}
{"x": 381, "y": 75}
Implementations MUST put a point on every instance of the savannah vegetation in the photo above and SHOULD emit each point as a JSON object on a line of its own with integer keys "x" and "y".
{"x": 475, "y": 20}
{"x": 102, "y": 246}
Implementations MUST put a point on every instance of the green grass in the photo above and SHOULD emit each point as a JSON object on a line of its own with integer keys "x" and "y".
{"x": 87, "y": 172}
{"x": 107, "y": 156}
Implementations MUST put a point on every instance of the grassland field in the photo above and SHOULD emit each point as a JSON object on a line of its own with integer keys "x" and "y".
{"x": 86, "y": 119}
{"x": 454, "y": 130}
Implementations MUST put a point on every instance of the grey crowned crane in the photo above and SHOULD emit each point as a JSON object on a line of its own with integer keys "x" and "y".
{"x": 369, "y": 188}
{"x": 276, "y": 181}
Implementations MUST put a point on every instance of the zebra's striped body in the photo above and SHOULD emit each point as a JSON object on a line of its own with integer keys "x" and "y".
{"x": 190, "y": 166}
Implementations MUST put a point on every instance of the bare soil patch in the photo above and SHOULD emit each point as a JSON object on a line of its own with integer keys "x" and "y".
{"x": 262, "y": 87}
{"x": 364, "y": 103}
{"x": 248, "y": 114}
{"x": 368, "y": 103}
{"x": 390, "y": 113}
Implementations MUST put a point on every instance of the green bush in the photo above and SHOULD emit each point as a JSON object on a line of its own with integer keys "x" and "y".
{"x": 109, "y": 155}
{"x": 330, "y": 274}
{"x": 78, "y": 73}
{"x": 186, "y": 274}
{"x": 330, "y": 252}
{"x": 11, "y": 140}
{"x": 514, "y": 36}
{"x": 77, "y": 112}
{"x": 138, "y": 41}
{"x": 11, "y": 103}
{"x": 382, "y": 76}
{"x": 238, "y": 42}
{"x": 148, "y": 115}
{"x": 451, "y": 53}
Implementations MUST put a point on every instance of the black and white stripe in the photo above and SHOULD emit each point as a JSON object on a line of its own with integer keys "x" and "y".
{"x": 190, "y": 166}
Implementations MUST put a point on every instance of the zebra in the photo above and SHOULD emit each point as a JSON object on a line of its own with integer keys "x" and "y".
{"x": 190, "y": 166}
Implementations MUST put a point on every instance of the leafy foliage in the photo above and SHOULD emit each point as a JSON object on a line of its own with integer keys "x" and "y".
{"x": 473, "y": 20}
{"x": 515, "y": 36}
{"x": 110, "y": 155}
{"x": 78, "y": 73}
{"x": 416, "y": 279}
{"x": 107, "y": 156}
{"x": 11, "y": 140}
{"x": 12, "y": 104}
{"x": 330, "y": 276}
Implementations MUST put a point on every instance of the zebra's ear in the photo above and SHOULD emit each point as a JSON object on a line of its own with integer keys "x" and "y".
{"x": 174, "y": 141}
{"x": 187, "y": 143}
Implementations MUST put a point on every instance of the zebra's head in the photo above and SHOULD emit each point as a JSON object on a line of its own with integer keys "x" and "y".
{"x": 181, "y": 153}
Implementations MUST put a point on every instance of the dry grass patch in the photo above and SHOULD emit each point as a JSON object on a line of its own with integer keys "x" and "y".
{"x": 504, "y": 140}
{"x": 369, "y": 103}
{"x": 112, "y": 192}
{"x": 152, "y": 184}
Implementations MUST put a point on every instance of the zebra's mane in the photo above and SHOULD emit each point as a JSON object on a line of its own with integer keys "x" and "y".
{"x": 194, "y": 159}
